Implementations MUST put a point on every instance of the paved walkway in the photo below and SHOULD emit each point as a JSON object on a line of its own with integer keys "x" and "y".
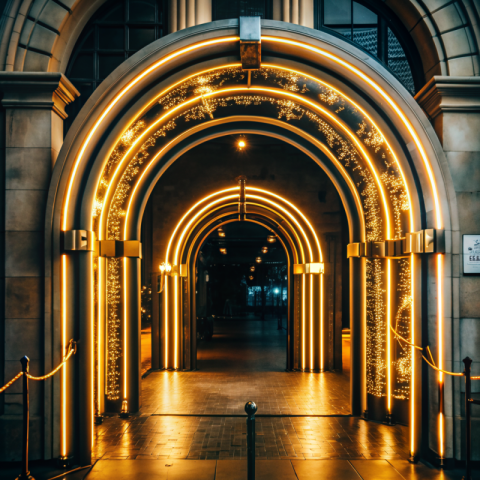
{"x": 266, "y": 470}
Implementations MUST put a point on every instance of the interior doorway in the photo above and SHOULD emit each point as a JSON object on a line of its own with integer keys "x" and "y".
{"x": 242, "y": 300}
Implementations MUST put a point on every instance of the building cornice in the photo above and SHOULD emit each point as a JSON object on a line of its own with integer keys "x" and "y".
{"x": 37, "y": 90}
{"x": 449, "y": 94}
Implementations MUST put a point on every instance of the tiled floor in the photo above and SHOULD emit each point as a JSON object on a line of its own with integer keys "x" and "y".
{"x": 225, "y": 437}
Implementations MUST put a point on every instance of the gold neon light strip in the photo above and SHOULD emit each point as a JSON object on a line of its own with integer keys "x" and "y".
{"x": 274, "y": 91}
{"x": 273, "y": 39}
{"x": 208, "y": 207}
{"x": 64, "y": 346}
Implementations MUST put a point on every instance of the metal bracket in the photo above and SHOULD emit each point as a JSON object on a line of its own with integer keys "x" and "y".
{"x": 425, "y": 241}
{"x": 250, "y": 43}
{"x": 79, "y": 240}
{"x": 308, "y": 268}
{"x": 119, "y": 248}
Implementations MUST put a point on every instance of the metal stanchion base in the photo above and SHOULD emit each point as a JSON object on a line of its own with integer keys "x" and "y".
{"x": 25, "y": 477}
{"x": 65, "y": 462}
{"x": 389, "y": 420}
{"x": 441, "y": 462}
{"x": 124, "y": 415}
{"x": 99, "y": 419}
{"x": 365, "y": 415}
{"x": 412, "y": 459}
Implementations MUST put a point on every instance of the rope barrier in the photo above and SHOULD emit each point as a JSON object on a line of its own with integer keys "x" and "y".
{"x": 430, "y": 362}
{"x": 11, "y": 382}
{"x": 72, "y": 349}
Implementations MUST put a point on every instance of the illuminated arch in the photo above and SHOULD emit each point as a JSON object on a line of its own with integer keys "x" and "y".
{"x": 113, "y": 109}
{"x": 299, "y": 234}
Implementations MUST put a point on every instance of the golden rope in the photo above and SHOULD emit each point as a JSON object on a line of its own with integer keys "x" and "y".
{"x": 430, "y": 362}
{"x": 71, "y": 351}
{"x": 11, "y": 382}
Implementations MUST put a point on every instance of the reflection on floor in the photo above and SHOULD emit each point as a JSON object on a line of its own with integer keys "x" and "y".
{"x": 225, "y": 437}
{"x": 267, "y": 470}
{"x": 246, "y": 344}
{"x": 146, "y": 350}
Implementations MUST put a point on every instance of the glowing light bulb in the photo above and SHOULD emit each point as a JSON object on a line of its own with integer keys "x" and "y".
{"x": 271, "y": 239}
{"x": 242, "y": 144}
{"x": 264, "y": 249}
{"x": 258, "y": 259}
{"x": 252, "y": 268}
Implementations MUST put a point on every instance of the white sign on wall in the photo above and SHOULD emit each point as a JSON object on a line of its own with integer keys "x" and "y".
{"x": 471, "y": 254}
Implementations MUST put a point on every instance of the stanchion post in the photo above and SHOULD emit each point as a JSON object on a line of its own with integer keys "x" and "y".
{"x": 25, "y": 475}
{"x": 468, "y": 425}
{"x": 251, "y": 409}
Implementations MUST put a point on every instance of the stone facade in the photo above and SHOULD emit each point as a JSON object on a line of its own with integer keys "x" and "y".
{"x": 37, "y": 38}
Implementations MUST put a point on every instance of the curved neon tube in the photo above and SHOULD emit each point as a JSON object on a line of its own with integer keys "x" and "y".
{"x": 387, "y": 98}
{"x": 279, "y": 92}
{"x": 291, "y": 205}
{"x": 117, "y": 98}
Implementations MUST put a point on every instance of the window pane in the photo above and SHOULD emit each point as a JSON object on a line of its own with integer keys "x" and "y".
{"x": 337, "y": 12}
{"x": 82, "y": 66}
{"x": 143, "y": 11}
{"x": 367, "y": 38}
{"x": 107, "y": 63}
{"x": 139, "y": 37}
{"x": 89, "y": 41}
{"x": 363, "y": 16}
{"x": 114, "y": 13}
{"x": 111, "y": 38}
{"x": 398, "y": 63}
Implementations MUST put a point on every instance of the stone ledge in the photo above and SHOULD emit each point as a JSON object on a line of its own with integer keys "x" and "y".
{"x": 36, "y": 90}
{"x": 449, "y": 94}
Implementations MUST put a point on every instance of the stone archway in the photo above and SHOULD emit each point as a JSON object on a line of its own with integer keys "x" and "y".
{"x": 171, "y": 95}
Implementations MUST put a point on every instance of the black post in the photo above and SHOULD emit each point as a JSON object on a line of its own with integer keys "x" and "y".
{"x": 468, "y": 426}
{"x": 251, "y": 408}
{"x": 25, "y": 475}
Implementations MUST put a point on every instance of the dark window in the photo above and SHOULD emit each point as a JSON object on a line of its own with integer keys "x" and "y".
{"x": 374, "y": 28}
{"x": 118, "y": 30}
{"x": 223, "y": 9}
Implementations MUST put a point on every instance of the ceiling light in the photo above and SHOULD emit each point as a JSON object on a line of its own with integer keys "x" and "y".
{"x": 264, "y": 249}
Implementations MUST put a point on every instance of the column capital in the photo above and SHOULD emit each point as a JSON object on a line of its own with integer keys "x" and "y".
{"x": 449, "y": 94}
{"x": 37, "y": 90}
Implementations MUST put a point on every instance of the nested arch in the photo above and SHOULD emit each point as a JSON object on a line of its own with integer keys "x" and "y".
{"x": 301, "y": 245}
{"x": 111, "y": 159}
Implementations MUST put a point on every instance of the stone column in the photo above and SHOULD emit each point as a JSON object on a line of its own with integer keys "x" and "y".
{"x": 358, "y": 382}
{"x": 32, "y": 135}
{"x": 453, "y": 106}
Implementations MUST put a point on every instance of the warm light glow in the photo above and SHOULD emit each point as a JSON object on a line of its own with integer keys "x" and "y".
{"x": 162, "y": 267}
{"x": 440, "y": 351}
{"x": 251, "y": 277}
{"x": 221, "y": 232}
{"x": 117, "y": 98}
{"x": 258, "y": 259}
{"x": 264, "y": 249}
{"x": 175, "y": 285}
{"x": 303, "y": 322}
{"x": 223, "y": 251}
{"x": 412, "y": 381}
{"x": 311, "y": 320}
{"x": 389, "y": 347}
{"x": 64, "y": 349}
{"x": 252, "y": 268}
{"x": 241, "y": 144}
{"x": 99, "y": 334}
{"x": 271, "y": 239}
{"x": 125, "y": 353}
{"x": 389, "y": 100}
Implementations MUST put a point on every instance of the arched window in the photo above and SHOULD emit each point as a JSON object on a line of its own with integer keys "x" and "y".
{"x": 373, "y": 27}
{"x": 223, "y": 9}
{"x": 118, "y": 30}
